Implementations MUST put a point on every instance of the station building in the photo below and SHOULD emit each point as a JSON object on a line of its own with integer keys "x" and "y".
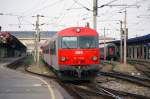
{"x": 137, "y": 48}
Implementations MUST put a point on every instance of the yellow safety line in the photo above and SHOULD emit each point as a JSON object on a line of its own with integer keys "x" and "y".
{"x": 49, "y": 87}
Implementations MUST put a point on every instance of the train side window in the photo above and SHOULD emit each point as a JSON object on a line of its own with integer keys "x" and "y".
{"x": 54, "y": 48}
{"x": 47, "y": 50}
{"x": 51, "y": 47}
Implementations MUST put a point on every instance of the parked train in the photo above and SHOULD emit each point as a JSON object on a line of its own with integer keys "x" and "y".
{"x": 110, "y": 51}
{"x": 73, "y": 53}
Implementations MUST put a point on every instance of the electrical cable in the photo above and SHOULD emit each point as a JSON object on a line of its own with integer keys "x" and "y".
{"x": 35, "y": 6}
{"x": 47, "y": 6}
{"x": 82, "y": 5}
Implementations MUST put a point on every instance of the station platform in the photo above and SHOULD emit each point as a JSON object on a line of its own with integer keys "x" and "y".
{"x": 143, "y": 60}
{"x": 17, "y": 85}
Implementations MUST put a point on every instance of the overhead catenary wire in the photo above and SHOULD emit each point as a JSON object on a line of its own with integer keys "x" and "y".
{"x": 82, "y": 5}
{"x": 46, "y": 6}
{"x": 107, "y": 3}
{"x": 62, "y": 14}
{"x": 35, "y": 6}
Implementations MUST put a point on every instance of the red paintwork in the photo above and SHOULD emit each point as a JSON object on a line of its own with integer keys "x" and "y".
{"x": 111, "y": 51}
{"x": 72, "y": 32}
{"x": 74, "y": 58}
{"x": 84, "y": 58}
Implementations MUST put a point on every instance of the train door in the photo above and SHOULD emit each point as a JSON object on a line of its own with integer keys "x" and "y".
{"x": 111, "y": 52}
{"x": 54, "y": 56}
{"x": 51, "y": 51}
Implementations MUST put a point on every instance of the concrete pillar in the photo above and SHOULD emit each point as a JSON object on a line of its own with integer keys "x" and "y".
{"x": 3, "y": 52}
{"x": 129, "y": 52}
{"x": 142, "y": 51}
{"x": 132, "y": 51}
{"x": 146, "y": 52}
{"x": 138, "y": 52}
{"x": 0, "y": 51}
{"x": 135, "y": 52}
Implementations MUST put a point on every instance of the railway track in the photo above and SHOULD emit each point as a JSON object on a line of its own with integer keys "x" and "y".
{"x": 92, "y": 90}
{"x": 78, "y": 90}
{"x": 138, "y": 80}
{"x": 142, "y": 66}
{"x": 85, "y": 91}
{"x": 123, "y": 94}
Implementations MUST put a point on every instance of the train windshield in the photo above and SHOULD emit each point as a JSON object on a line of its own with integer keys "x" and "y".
{"x": 69, "y": 42}
{"x": 88, "y": 42}
{"x": 79, "y": 42}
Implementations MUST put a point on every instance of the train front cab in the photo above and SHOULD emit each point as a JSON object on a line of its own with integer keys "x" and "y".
{"x": 78, "y": 54}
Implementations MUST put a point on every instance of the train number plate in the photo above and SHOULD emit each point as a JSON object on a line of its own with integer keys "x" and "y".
{"x": 78, "y": 52}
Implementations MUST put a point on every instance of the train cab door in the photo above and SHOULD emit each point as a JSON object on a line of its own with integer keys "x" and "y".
{"x": 111, "y": 51}
{"x": 53, "y": 56}
{"x": 51, "y": 51}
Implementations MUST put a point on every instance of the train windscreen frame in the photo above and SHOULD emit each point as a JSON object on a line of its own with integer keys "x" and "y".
{"x": 82, "y": 42}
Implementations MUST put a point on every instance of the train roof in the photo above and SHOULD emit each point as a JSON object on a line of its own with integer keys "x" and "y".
{"x": 78, "y": 31}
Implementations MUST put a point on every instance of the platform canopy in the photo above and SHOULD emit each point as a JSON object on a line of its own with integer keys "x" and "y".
{"x": 7, "y": 39}
{"x": 137, "y": 40}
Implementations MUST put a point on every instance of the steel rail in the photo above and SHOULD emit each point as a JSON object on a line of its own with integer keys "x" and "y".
{"x": 142, "y": 81}
{"x": 122, "y": 93}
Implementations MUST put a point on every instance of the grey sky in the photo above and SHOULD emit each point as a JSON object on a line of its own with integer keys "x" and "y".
{"x": 58, "y": 17}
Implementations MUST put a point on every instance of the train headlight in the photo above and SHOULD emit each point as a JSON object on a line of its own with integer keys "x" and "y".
{"x": 78, "y": 29}
{"x": 94, "y": 58}
{"x": 63, "y": 58}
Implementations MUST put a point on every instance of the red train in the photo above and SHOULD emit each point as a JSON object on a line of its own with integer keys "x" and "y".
{"x": 111, "y": 51}
{"x": 73, "y": 53}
